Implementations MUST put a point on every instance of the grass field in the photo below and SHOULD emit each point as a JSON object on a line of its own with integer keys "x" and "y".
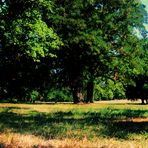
{"x": 108, "y": 124}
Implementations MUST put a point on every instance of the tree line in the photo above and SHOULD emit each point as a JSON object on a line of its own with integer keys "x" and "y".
{"x": 86, "y": 49}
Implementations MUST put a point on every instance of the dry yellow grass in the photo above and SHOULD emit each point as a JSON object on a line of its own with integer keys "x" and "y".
{"x": 15, "y": 140}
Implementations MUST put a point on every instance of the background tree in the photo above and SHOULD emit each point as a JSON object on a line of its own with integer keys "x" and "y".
{"x": 137, "y": 88}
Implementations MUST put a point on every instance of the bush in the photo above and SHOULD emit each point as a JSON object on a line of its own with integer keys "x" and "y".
{"x": 108, "y": 90}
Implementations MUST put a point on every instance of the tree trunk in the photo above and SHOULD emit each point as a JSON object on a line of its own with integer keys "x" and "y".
{"x": 142, "y": 101}
{"x": 77, "y": 91}
{"x": 90, "y": 91}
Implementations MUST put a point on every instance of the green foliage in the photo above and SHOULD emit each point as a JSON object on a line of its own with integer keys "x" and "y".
{"x": 32, "y": 96}
{"x": 59, "y": 95}
{"x": 28, "y": 32}
{"x": 135, "y": 88}
{"x": 108, "y": 90}
{"x": 99, "y": 39}
{"x": 27, "y": 42}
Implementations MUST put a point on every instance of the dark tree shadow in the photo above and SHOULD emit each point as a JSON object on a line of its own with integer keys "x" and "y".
{"x": 123, "y": 128}
{"x": 101, "y": 123}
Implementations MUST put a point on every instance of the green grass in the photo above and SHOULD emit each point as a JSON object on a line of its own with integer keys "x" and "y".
{"x": 62, "y": 121}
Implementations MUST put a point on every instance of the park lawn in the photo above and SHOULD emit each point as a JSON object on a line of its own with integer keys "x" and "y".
{"x": 102, "y": 124}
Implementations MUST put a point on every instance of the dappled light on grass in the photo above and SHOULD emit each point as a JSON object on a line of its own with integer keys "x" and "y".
{"x": 76, "y": 122}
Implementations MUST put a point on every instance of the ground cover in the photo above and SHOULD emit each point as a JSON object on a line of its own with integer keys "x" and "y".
{"x": 102, "y": 124}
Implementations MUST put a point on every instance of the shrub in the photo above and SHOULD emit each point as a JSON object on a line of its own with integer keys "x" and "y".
{"x": 32, "y": 96}
{"x": 108, "y": 90}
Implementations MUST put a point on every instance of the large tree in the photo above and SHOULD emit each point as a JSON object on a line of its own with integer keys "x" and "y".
{"x": 99, "y": 41}
{"x": 98, "y": 36}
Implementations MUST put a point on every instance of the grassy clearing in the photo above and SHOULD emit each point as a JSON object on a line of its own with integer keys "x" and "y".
{"x": 110, "y": 124}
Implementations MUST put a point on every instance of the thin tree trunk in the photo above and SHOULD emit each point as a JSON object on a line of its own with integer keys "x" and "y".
{"x": 90, "y": 91}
